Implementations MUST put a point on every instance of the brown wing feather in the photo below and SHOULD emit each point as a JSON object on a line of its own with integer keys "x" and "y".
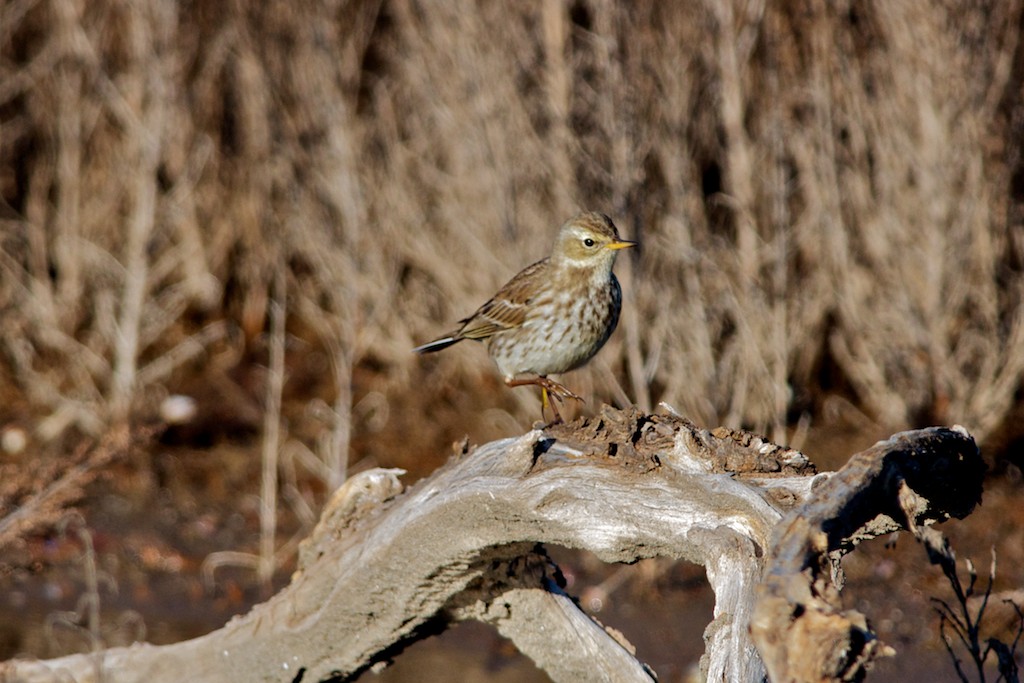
{"x": 507, "y": 309}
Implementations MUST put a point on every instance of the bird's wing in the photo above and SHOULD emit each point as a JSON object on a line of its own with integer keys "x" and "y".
{"x": 507, "y": 309}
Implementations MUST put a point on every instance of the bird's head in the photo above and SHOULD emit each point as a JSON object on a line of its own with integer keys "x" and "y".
{"x": 588, "y": 240}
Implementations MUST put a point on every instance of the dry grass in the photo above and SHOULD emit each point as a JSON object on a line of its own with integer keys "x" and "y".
{"x": 33, "y": 498}
{"x": 828, "y": 198}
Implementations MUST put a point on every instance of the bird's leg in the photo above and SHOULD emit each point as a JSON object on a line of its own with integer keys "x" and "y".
{"x": 544, "y": 403}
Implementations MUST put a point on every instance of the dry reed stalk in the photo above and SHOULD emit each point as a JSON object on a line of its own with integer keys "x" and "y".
{"x": 272, "y": 432}
{"x": 825, "y": 198}
{"x": 147, "y": 93}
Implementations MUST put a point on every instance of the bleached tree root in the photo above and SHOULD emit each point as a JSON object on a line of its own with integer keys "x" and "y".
{"x": 386, "y": 567}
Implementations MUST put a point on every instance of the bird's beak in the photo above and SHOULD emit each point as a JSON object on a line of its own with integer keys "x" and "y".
{"x": 622, "y": 244}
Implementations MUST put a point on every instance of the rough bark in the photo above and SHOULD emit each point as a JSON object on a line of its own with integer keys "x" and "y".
{"x": 385, "y": 567}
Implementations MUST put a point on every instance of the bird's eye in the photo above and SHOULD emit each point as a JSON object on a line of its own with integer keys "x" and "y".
{"x": 588, "y": 242}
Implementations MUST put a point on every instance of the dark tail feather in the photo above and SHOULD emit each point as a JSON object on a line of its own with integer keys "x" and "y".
{"x": 437, "y": 345}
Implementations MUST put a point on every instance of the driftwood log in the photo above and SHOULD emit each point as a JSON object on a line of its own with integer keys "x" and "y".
{"x": 386, "y": 567}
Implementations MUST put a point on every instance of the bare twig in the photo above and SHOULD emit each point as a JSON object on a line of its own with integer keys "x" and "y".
{"x": 966, "y": 625}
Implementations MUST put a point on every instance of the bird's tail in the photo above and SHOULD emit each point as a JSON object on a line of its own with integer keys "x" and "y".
{"x": 437, "y": 344}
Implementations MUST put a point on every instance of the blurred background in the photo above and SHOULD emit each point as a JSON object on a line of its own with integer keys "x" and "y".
{"x": 224, "y": 226}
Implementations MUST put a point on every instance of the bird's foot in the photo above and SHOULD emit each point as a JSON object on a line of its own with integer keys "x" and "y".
{"x": 551, "y": 393}
{"x": 557, "y": 390}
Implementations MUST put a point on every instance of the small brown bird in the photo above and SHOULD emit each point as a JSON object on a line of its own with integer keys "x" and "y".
{"x": 555, "y": 314}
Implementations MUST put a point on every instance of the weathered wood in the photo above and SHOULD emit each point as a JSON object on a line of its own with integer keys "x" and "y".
{"x": 910, "y": 480}
{"x": 385, "y": 567}
{"x": 524, "y": 600}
